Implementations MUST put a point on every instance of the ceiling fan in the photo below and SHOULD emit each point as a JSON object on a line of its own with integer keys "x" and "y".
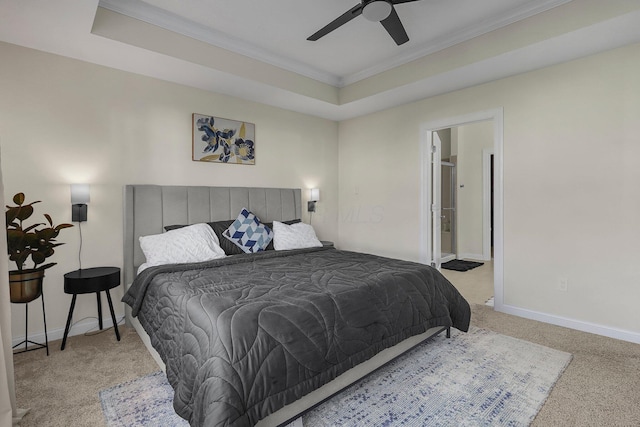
{"x": 374, "y": 10}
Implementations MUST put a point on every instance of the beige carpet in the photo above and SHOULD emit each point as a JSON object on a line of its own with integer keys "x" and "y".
{"x": 601, "y": 386}
{"x": 62, "y": 389}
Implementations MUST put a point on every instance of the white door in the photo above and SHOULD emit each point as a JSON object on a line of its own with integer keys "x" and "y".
{"x": 436, "y": 200}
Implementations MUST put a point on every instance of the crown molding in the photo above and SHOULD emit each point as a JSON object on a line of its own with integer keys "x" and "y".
{"x": 159, "y": 17}
{"x": 25, "y": 24}
{"x": 525, "y": 11}
{"x": 156, "y": 16}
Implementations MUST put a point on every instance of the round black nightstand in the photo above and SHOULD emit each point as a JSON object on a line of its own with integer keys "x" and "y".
{"x": 87, "y": 281}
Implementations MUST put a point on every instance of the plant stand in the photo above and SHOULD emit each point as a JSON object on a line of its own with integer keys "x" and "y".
{"x": 26, "y": 286}
{"x": 26, "y": 341}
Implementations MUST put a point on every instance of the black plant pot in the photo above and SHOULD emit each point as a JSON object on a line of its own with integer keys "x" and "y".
{"x": 25, "y": 285}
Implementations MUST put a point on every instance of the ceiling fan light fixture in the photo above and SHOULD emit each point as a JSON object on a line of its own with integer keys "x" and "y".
{"x": 377, "y": 10}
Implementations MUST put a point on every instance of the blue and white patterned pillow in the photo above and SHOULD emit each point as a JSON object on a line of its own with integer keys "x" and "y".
{"x": 248, "y": 233}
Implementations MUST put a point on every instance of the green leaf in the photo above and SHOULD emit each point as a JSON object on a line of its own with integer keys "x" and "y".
{"x": 44, "y": 267}
{"x": 31, "y": 239}
{"x": 38, "y": 257}
{"x": 16, "y": 240}
{"x": 31, "y": 227}
{"x": 30, "y": 242}
{"x": 11, "y": 214}
{"x": 21, "y": 258}
{"x": 18, "y": 199}
{"x": 46, "y": 234}
{"x": 24, "y": 212}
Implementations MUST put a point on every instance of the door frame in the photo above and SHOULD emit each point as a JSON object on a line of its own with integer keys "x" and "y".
{"x": 454, "y": 223}
{"x": 435, "y": 190}
{"x": 426, "y": 234}
{"x": 486, "y": 202}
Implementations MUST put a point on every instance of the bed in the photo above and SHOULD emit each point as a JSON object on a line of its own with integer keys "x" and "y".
{"x": 260, "y": 338}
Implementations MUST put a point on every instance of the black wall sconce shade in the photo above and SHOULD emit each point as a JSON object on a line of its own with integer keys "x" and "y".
{"x": 311, "y": 206}
{"x": 314, "y": 196}
{"x": 79, "y": 199}
{"x": 79, "y": 213}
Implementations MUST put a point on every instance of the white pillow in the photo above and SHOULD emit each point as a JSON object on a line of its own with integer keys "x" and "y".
{"x": 143, "y": 267}
{"x": 294, "y": 236}
{"x": 194, "y": 243}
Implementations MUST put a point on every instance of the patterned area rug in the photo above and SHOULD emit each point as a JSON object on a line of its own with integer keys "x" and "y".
{"x": 477, "y": 379}
{"x": 146, "y": 401}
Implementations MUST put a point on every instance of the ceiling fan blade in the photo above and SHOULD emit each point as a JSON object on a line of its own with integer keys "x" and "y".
{"x": 395, "y": 28}
{"x": 338, "y": 22}
{"x": 402, "y": 1}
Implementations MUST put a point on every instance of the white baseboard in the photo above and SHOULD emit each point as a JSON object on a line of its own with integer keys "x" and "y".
{"x": 82, "y": 327}
{"x": 579, "y": 325}
{"x": 477, "y": 257}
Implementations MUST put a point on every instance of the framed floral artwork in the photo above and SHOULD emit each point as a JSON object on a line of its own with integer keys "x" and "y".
{"x": 221, "y": 140}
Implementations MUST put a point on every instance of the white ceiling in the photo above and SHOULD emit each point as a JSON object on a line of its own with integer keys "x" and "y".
{"x": 276, "y": 31}
{"x": 347, "y": 61}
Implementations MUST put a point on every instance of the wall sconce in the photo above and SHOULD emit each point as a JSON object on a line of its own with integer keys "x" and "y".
{"x": 313, "y": 198}
{"x": 79, "y": 200}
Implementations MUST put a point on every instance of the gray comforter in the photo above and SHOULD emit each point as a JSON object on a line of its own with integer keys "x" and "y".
{"x": 246, "y": 335}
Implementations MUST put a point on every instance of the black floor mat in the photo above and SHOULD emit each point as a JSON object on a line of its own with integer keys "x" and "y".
{"x": 461, "y": 265}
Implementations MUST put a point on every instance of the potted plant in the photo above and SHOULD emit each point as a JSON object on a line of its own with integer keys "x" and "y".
{"x": 36, "y": 242}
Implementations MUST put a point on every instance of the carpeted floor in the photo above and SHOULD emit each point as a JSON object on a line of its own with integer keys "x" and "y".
{"x": 62, "y": 389}
{"x": 600, "y": 387}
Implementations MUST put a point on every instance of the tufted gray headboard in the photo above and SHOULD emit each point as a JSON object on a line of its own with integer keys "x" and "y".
{"x": 149, "y": 208}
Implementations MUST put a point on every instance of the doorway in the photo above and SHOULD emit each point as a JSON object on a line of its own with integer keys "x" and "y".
{"x": 432, "y": 213}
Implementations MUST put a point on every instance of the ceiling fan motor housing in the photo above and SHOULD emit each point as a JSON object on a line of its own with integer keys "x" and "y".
{"x": 373, "y": 10}
{"x": 376, "y": 10}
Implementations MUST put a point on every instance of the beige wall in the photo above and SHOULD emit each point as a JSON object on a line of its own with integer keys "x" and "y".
{"x": 542, "y": 27}
{"x": 570, "y": 170}
{"x": 471, "y": 140}
{"x": 64, "y": 121}
{"x": 571, "y": 197}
